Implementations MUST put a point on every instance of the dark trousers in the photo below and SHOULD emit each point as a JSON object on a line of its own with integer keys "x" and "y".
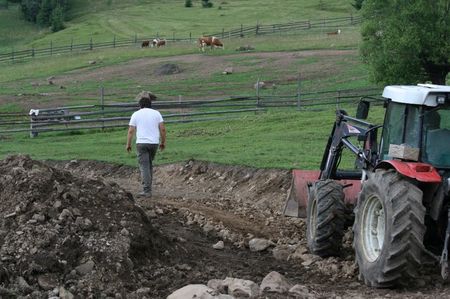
{"x": 146, "y": 153}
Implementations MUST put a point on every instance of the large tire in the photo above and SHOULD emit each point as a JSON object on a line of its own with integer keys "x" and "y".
{"x": 389, "y": 229}
{"x": 325, "y": 218}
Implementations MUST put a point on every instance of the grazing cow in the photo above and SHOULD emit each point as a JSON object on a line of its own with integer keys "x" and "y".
{"x": 211, "y": 41}
{"x": 158, "y": 42}
{"x": 334, "y": 32}
{"x": 145, "y": 44}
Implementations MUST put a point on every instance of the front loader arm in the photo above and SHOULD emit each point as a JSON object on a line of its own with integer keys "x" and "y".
{"x": 344, "y": 127}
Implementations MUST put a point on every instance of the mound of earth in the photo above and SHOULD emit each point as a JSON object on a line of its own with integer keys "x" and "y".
{"x": 167, "y": 69}
{"x": 63, "y": 234}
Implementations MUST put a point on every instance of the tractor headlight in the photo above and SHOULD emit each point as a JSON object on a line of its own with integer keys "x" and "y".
{"x": 441, "y": 99}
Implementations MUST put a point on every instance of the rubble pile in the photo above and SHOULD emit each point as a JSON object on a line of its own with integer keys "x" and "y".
{"x": 63, "y": 235}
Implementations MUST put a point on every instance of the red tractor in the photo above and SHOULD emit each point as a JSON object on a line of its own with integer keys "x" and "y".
{"x": 397, "y": 194}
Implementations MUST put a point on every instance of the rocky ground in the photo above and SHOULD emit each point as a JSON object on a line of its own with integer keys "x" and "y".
{"x": 75, "y": 230}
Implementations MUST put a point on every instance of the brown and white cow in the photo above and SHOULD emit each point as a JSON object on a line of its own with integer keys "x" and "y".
{"x": 158, "y": 42}
{"x": 145, "y": 44}
{"x": 209, "y": 41}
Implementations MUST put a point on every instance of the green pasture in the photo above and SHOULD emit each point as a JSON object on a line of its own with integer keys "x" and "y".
{"x": 273, "y": 139}
{"x": 102, "y": 20}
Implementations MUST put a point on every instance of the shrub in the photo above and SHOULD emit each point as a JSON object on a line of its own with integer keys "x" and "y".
{"x": 188, "y": 3}
{"x": 207, "y": 4}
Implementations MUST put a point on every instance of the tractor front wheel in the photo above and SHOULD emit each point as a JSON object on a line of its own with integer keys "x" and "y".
{"x": 388, "y": 230}
{"x": 326, "y": 217}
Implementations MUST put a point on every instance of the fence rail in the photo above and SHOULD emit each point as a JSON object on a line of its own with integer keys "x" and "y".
{"x": 258, "y": 29}
{"x": 86, "y": 117}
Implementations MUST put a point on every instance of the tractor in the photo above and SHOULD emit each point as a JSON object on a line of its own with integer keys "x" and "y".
{"x": 396, "y": 194}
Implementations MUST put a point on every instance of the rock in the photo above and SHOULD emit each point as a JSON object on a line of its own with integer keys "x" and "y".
{"x": 24, "y": 287}
{"x": 281, "y": 253}
{"x": 50, "y": 80}
{"x": 219, "y": 245}
{"x": 245, "y": 48}
{"x": 258, "y": 244}
{"x": 208, "y": 227}
{"x": 260, "y": 85}
{"x": 274, "y": 282}
{"x": 241, "y": 288}
{"x": 65, "y": 214}
{"x": 65, "y": 294}
{"x": 227, "y": 71}
{"x": 219, "y": 285}
{"x": 92, "y": 62}
{"x": 300, "y": 291}
{"x": 85, "y": 268}
{"x": 124, "y": 232}
{"x": 47, "y": 281}
{"x": 193, "y": 291}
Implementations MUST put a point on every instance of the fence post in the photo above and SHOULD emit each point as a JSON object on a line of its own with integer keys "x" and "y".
{"x": 32, "y": 52}
{"x": 190, "y": 36}
{"x": 223, "y": 33}
{"x": 91, "y": 46}
{"x": 51, "y": 48}
{"x": 114, "y": 41}
{"x": 157, "y": 35}
{"x": 12, "y": 54}
{"x": 71, "y": 44}
{"x": 242, "y": 31}
{"x": 173, "y": 36}
{"x": 309, "y": 24}
{"x": 298, "y": 92}
{"x": 257, "y": 28}
{"x": 135, "y": 38}
{"x": 351, "y": 18}
{"x": 102, "y": 103}
{"x": 338, "y": 99}
{"x": 33, "y": 133}
{"x": 258, "y": 100}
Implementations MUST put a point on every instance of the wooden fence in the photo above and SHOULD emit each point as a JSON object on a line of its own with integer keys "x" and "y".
{"x": 103, "y": 116}
{"x": 258, "y": 29}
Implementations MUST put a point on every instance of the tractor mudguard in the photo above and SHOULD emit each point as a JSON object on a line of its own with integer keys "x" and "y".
{"x": 421, "y": 172}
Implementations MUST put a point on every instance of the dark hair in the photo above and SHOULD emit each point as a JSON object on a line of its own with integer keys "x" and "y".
{"x": 145, "y": 103}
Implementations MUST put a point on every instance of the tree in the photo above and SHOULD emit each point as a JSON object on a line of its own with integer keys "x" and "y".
{"x": 45, "y": 12}
{"x": 188, "y": 3}
{"x": 406, "y": 42}
{"x": 358, "y": 4}
{"x": 57, "y": 19}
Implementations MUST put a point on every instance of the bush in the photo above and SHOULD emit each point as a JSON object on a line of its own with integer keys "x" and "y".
{"x": 188, "y": 3}
{"x": 207, "y": 4}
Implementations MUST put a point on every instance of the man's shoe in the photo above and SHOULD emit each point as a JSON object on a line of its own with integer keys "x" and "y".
{"x": 144, "y": 194}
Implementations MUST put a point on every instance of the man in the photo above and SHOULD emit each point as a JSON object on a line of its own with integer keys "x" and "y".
{"x": 148, "y": 125}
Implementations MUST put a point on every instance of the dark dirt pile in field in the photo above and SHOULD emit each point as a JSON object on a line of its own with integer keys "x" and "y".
{"x": 63, "y": 234}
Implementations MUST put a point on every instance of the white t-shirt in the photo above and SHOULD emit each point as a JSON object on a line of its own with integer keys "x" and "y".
{"x": 147, "y": 122}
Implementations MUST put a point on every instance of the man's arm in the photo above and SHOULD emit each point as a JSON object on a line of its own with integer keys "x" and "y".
{"x": 130, "y": 135}
{"x": 162, "y": 133}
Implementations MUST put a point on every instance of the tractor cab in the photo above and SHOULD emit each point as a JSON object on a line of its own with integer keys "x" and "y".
{"x": 417, "y": 118}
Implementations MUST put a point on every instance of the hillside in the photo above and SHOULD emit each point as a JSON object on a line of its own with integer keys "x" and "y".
{"x": 104, "y": 19}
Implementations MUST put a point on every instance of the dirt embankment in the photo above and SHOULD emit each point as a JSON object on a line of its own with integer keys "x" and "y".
{"x": 73, "y": 229}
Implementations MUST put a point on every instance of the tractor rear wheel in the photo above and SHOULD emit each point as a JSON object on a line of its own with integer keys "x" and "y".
{"x": 388, "y": 230}
{"x": 326, "y": 218}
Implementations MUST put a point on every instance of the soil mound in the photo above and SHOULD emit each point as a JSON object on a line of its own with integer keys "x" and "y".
{"x": 167, "y": 69}
{"x": 62, "y": 234}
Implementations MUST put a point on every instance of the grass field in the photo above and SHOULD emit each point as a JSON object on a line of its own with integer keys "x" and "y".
{"x": 276, "y": 138}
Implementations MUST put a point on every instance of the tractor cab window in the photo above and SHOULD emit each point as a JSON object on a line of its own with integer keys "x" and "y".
{"x": 436, "y": 137}
{"x": 402, "y": 126}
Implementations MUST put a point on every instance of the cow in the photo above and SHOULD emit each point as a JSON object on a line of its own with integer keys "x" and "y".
{"x": 158, "y": 42}
{"x": 211, "y": 41}
{"x": 145, "y": 44}
{"x": 334, "y": 32}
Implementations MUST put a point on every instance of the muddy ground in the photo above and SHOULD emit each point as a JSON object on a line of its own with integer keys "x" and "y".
{"x": 75, "y": 227}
